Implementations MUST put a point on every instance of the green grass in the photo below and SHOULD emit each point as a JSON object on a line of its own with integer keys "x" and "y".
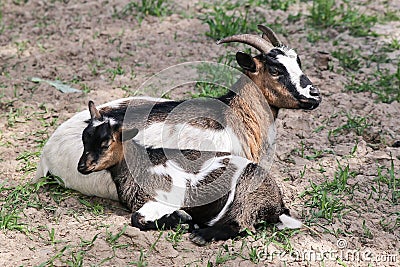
{"x": 349, "y": 60}
{"x": 388, "y": 177}
{"x": 143, "y": 8}
{"x": 341, "y": 16}
{"x": 206, "y": 89}
{"x": 114, "y": 72}
{"x": 175, "y": 237}
{"x": 14, "y": 200}
{"x": 326, "y": 200}
{"x": 384, "y": 84}
{"x": 72, "y": 255}
{"x": 323, "y": 13}
{"x": 226, "y": 20}
{"x": 392, "y": 46}
{"x": 355, "y": 123}
{"x": 224, "y": 255}
{"x": 309, "y": 152}
{"x": 214, "y": 80}
{"x": 273, "y": 4}
{"x": 141, "y": 262}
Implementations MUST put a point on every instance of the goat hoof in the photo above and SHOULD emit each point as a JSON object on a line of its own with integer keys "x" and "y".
{"x": 196, "y": 238}
{"x": 138, "y": 221}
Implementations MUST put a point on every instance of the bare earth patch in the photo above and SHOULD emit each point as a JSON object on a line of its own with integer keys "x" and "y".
{"x": 338, "y": 166}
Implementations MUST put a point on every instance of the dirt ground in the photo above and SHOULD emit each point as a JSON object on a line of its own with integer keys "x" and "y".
{"x": 351, "y": 136}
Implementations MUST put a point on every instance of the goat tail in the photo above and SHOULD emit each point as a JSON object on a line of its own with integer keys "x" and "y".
{"x": 41, "y": 170}
{"x": 289, "y": 222}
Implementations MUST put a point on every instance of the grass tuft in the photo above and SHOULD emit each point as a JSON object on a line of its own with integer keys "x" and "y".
{"x": 326, "y": 199}
{"x": 226, "y": 20}
{"x": 384, "y": 84}
{"x": 342, "y": 16}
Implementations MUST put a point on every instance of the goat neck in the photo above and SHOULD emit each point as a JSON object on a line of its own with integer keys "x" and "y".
{"x": 248, "y": 105}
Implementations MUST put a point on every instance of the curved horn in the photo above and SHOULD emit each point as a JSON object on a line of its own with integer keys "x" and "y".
{"x": 254, "y": 40}
{"x": 269, "y": 35}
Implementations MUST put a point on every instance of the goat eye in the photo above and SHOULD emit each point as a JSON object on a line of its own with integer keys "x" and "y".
{"x": 274, "y": 72}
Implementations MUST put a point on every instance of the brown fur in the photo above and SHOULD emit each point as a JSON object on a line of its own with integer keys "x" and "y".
{"x": 250, "y": 107}
{"x": 113, "y": 155}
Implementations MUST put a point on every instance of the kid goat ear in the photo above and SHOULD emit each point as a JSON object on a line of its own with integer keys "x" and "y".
{"x": 94, "y": 113}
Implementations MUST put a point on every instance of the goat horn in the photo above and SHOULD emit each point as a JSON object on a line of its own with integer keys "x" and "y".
{"x": 253, "y": 40}
{"x": 269, "y": 35}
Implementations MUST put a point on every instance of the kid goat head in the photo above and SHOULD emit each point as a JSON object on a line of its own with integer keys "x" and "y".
{"x": 105, "y": 150}
{"x": 277, "y": 71}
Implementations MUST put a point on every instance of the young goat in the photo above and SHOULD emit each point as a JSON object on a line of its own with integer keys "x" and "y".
{"x": 220, "y": 192}
{"x": 246, "y": 120}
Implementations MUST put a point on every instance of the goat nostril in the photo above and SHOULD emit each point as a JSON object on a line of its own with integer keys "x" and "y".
{"x": 314, "y": 91}
{"x": 81, "y": 166}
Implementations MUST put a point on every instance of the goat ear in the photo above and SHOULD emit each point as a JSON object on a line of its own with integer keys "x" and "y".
{"x": 246, "y": 61}
{"x": 94, "y": 113}
{"x": 129, "y": 134}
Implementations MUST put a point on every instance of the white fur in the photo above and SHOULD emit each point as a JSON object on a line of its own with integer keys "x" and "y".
{"x": 151, "y": 99}
{"x": 97, "y": 123}
{"x": 240, "y": 164}
{"x": 288, "y": 222}
{"x": 180, "y": 178}
{"x": 155, "y": 210}
{"x": 208, "y": 166}
{"x": 185, "y": 136}
{"x": 290, "y": 62}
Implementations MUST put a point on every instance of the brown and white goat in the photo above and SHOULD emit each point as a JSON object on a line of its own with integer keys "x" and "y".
{"x": 220, "y": 192}
{"x": 246, "y": 122}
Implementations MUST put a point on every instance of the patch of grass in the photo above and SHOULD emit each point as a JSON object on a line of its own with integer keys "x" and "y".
{"x": 2, "y": 25}
{"x": 349, "y": 60}
{"x": 357, "y": 124}
{"x": 27, "y": 159}
{"x": 326, "y": 199}
{"x": 141, "y": 262}
{"x": 390, "y": 14}
{"x": 388, "y": 176}
{"x": 224, "y": 255}
{"x": 143, "y": 8}
{"x": 392, "y": 46}
{"x": 223, "y": 21}
{"x": 116, "y": 71}
{"x": 358, "y": 24}
{"x": 384, "y": 84}
{"x": 95, "y": 208}
{"x": 113, "y": 238}
{"x": 74, "y": 254}
{"x": 273, "y": 4}
{"x": 323, "y": 13}
{"x": 214, "y": 81}
{"x": 14, "y": 200}
{"x": 343, "y": 16}
{"x": 271, "y": 235}
{"x": 14, "y": 116}
{"x": 206, "y": 89}
{"x": 304, "y": 152}
{"x": 175, "y": 237}
{"x": 367, "y": 231}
